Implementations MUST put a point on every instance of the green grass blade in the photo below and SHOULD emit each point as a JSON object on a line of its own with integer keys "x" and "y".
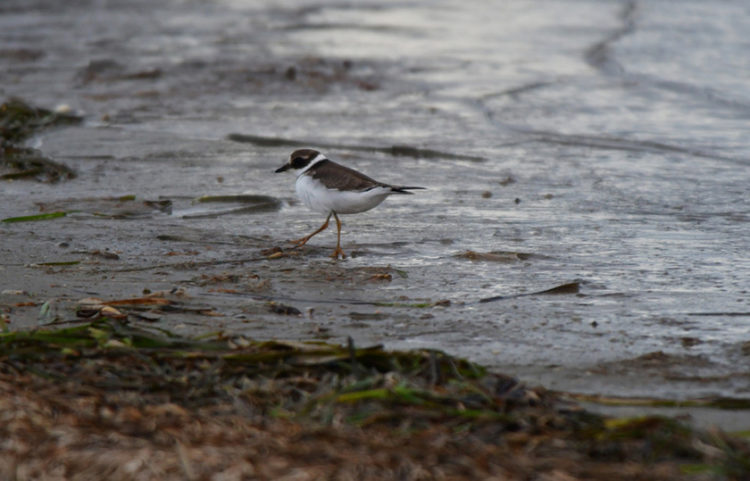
{"x": 31, "y": 218}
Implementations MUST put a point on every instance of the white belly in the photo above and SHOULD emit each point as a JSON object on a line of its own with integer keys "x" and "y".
{"x": 320, "y": 199}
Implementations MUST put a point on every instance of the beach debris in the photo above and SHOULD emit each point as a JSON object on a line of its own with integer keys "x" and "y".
{"x": 567, "y": 288}
{"x": 120, "y": 207}
{"x": 35, "y": 217}
{"x": 394, "y": 150}
{"x": 494, "y": 256}
{"x": 19, "y": 121}
{"x": 278, "y": 308}
{"x": 319, "y": 408}
{"x": 231, "y": 205}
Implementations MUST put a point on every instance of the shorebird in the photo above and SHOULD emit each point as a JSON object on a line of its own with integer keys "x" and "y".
{"x": 332, "y": 189}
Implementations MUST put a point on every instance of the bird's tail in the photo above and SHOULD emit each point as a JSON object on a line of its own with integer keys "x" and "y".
{"x": 397, "y": 189}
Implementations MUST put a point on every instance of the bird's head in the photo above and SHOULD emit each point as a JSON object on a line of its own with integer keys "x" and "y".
{"x": 300, "y": 159}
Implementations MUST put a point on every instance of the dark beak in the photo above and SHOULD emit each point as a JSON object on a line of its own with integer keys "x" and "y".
{"x": 282, "y": 168}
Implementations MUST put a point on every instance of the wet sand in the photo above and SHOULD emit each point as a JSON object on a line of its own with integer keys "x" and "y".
{"x": 547, "y": 163}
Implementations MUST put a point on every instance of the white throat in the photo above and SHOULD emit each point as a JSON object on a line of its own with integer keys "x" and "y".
{"x": 318, "y": 158}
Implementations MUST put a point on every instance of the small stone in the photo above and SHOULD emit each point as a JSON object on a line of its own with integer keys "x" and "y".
{"x": 14, "y": 292}
{"x": 282, "y": 309}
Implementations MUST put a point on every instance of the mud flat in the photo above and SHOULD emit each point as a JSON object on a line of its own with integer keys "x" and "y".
{"x": 585, "y": 226}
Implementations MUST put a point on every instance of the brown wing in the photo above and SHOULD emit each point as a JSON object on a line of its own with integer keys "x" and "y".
{"x": 337, "y": 176}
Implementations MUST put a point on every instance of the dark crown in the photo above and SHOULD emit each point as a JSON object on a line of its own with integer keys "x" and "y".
{"x": 302, "y": 157}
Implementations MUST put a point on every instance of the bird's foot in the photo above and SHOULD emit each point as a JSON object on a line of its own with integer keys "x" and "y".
{"x": 299, "y": 242}
{"x": 338, "y": 252}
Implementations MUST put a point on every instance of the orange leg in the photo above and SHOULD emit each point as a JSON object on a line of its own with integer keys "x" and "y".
{"x": 303, "y": 241}
{"x": 338, "y": 250}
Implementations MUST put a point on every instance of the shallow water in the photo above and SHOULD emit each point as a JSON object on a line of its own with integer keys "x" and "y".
{"x": 603, "y": 141}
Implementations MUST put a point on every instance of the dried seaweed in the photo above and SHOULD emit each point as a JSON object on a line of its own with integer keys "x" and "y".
{"x": 36, "y": 217}
{"x": 567, "y": 288}
{"x": 394, "y": 150}
{"x": 18, "y": 122}
{"x": 90, "y": 397}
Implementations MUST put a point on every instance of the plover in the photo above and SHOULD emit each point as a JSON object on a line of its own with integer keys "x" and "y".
{"x": 330, "y": 188}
